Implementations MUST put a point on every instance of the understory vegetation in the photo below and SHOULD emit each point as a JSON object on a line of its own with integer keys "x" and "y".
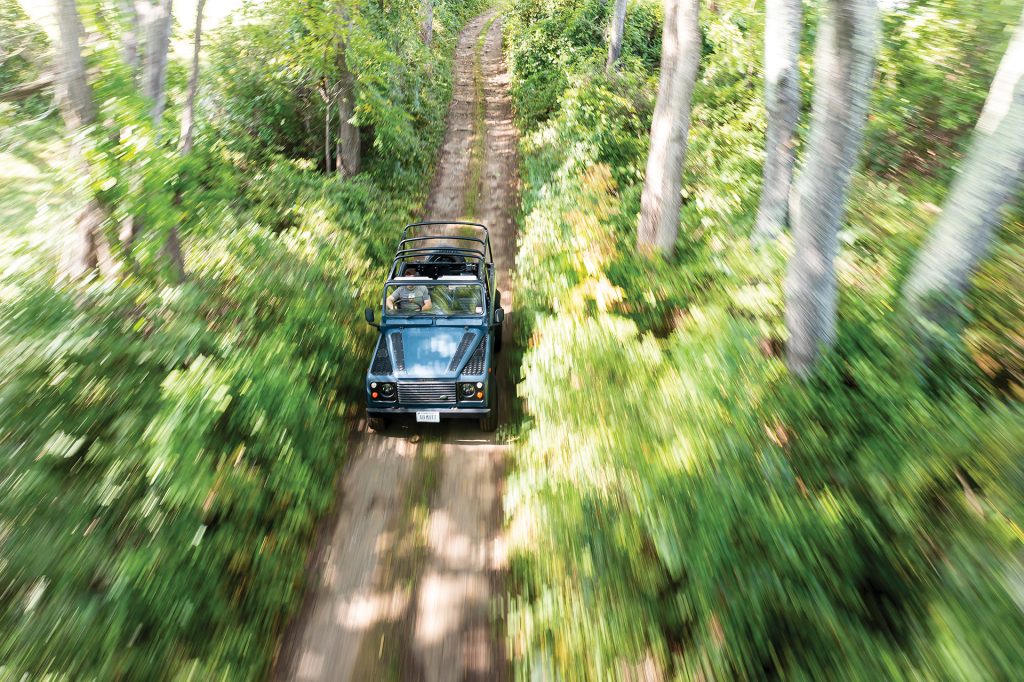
{"x": 680, "y": 502}
{"x": 178, "y": 379}
{"x": 166, "y": 448}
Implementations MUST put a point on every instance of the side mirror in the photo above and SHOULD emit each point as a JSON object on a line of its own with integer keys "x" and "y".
{"x": 368, "y": 313}
{"x": 499, "y": 315}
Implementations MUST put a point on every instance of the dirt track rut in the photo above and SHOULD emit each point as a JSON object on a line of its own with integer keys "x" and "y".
{"x": 408, "y": 572}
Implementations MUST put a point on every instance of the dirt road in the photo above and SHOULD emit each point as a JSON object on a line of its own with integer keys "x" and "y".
{"x": 409, "y": 571}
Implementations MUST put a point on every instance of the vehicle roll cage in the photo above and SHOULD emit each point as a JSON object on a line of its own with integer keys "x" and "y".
{"x": 427, "y": 251}
{"x": 482, "y": 237}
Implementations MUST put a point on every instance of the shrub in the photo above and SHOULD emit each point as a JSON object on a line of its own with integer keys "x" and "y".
{"x": 679, "y": 503}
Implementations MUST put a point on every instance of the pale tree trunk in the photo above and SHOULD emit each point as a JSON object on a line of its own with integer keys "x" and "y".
{"x": 172, "y": 247}
{"x": 987, "y": 181}
{"x": 680, "y": 57}
{"x": 188, "y": 115}
{"x": 131, "y": 58}
{"x": 347, "y": 158}
{"x": 73, "y": 91}
{"x": 157, "y": 21}
{"x": 615, "y": 34}
{"x": 154, "y": 65}
{"x": 844, "y": 63}
{"x": 428, "y": 22}
{"x": 130, "y": 38}
{"x": 75, "y": 98}
{"x": 782, "y": 102}
{"x": 327, "y": 135}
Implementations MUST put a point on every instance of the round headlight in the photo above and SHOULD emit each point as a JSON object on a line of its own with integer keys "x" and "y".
{"x": 468, "y": 390}
{"x": 387, "y": 390}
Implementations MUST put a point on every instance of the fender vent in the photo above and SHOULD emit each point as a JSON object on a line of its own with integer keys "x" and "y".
{"x": 399, "y": 350}
{"x": 476, "y": 362}
{"x": 460, "y": 352}
{"x": 381, "y": 359}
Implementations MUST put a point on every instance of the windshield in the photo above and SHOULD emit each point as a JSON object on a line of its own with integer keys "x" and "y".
{"x": 431, "y": 298}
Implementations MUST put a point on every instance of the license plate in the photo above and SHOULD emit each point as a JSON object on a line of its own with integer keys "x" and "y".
{"x": 431, "y": 417}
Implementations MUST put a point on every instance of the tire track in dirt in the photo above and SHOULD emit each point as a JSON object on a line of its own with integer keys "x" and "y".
{"x": 457, "y": 635}
{"x": 408, "y": 569}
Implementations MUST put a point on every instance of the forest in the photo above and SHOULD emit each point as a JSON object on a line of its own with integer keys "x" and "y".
{"x": 766, "y": 361}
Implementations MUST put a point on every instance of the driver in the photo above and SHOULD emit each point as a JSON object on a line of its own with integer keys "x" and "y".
{"x": 406, "y": 297}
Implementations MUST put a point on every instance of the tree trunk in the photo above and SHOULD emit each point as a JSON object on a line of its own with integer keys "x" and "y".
{"x": 782, "y": 102}
{"x": 680, "y": 57}
{"x": 844, "y": 61}
{"x": 188, "y": 116}
{"x": 154, "y": 65}
{"x": 428, "y": 22}
{"x": 154, "y": 80}
{"x": 172, "y": 247}
{"x": 327, "y": 135}
{"x": 130, "y": 38}
{"x": 987, "y": 181}
{"x": 26, "y": 90}
{"x": 73, "y": 91}
{"x": 615, "y": 35}
{"x": 347, "y": 160}
{"x": 75, "y": 98}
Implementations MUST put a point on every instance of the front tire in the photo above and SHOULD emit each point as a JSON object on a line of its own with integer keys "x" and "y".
{"x": 377, "y": 424}
{"x": 489, "y": 423}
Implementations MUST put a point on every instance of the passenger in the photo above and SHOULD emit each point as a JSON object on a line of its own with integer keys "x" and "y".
{"x": 410, "y": 298}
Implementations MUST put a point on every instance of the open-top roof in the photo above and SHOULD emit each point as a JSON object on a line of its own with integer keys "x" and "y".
{"x": 429, "y": 227}
{"x": 439, "y": 250}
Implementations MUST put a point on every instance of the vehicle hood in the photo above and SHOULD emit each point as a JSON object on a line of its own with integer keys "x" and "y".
{"x": 427, "y": 352}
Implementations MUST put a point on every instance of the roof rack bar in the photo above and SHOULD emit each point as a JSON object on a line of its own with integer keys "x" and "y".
{"x": 448, "y": 248}
{"x": 438, "y": 236}
{"x": 444, "y": 222}
{"x": 454, "y": 250}
{"x": 441, "y": 223}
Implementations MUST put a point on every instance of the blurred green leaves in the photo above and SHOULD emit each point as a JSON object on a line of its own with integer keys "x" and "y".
{"x": 680, "y": 504}
{"x": 167, "y": 450}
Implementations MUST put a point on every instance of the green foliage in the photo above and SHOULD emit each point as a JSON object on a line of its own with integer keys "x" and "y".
{"x": 548, "y": 41}
{"x": 679, "y": 502}
{"x": 174, "y": 448}
{"x": 934, "y": 69}
{"x": 166, "y": 451}
{"x": 23, "y": 54}
{"x": 730, "y": 524}
{"x": 276, "y": 101}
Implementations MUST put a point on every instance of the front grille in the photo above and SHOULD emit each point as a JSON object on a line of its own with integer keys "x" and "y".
{"x": 399, "y": 349}
{"x": 476, "y": 362}
{"x": 467, "y": 339}
{"x": 426, "y": 392}
{"x": 381, "y": 359}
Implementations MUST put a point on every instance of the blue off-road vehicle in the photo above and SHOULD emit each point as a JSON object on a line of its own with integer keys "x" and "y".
{"x": 441, "y": 324}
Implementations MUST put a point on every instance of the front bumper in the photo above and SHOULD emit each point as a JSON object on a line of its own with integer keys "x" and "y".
{"x": 446, "y": 411}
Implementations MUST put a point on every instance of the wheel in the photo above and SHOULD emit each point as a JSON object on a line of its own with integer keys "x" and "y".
{"x": 377, "y": 423}
{"x": 490, "y": 422}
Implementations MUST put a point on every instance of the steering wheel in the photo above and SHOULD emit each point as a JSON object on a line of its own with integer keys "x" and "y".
{"x": 409, "y": 305}
{"x": 453, "y": 258}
